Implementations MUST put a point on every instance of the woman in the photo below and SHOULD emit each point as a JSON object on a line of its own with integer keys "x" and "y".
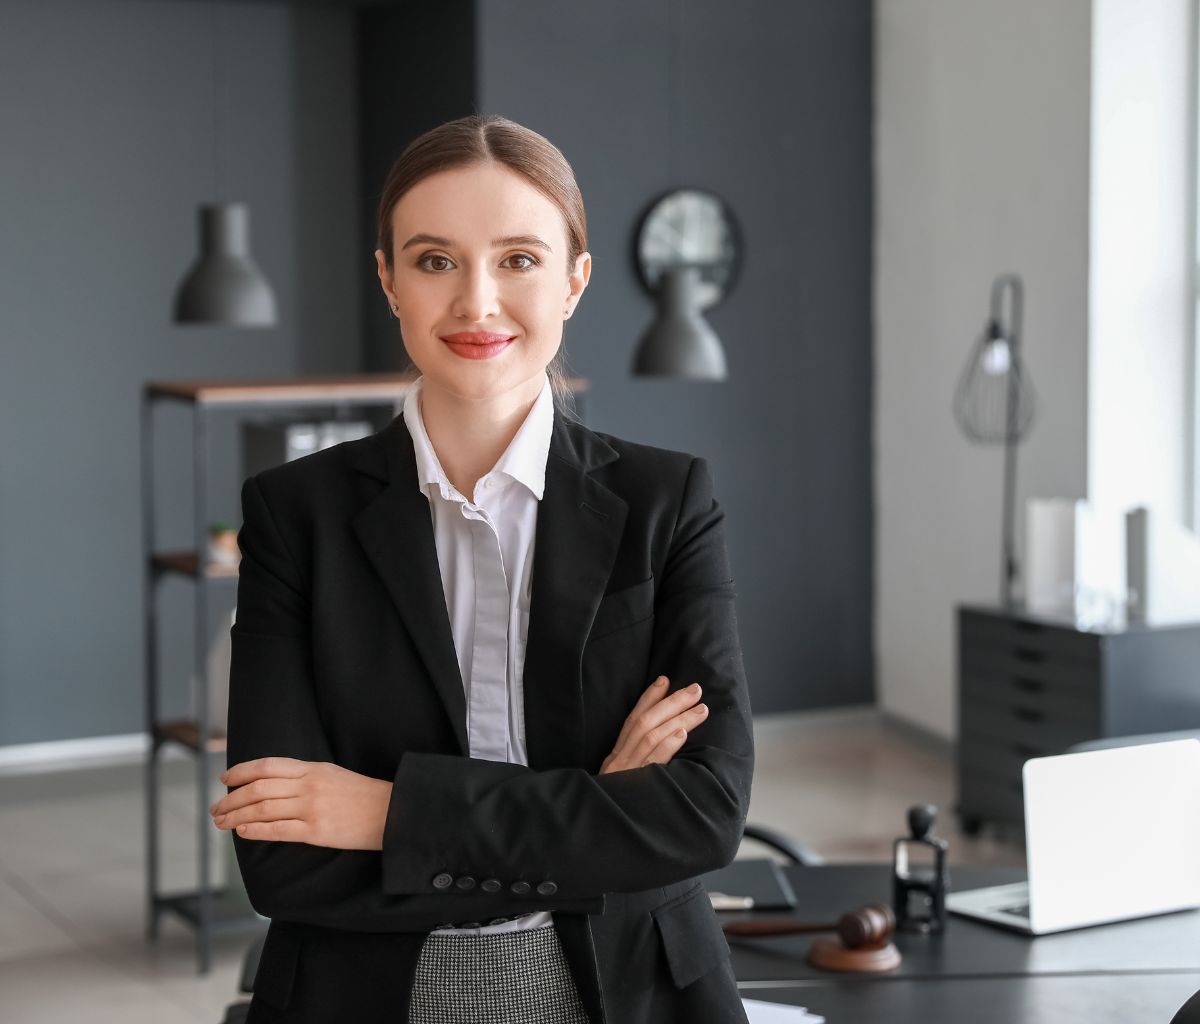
{"x": 453, "y": 791}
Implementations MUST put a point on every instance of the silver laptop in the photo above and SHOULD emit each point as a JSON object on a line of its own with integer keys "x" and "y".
{"x": 1110, "y": 834}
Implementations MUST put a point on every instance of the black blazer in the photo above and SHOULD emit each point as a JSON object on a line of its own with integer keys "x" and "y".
{"x": 342, "y": 651}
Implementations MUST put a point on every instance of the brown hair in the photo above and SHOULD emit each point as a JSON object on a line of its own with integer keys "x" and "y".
{"x": 478, "y": 138}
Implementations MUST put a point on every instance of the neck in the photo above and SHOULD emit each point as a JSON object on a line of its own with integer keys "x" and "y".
{"x": 470, "y": 434}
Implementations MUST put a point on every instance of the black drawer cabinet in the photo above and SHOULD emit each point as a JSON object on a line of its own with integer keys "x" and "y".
{"x": 1031, "y": 685}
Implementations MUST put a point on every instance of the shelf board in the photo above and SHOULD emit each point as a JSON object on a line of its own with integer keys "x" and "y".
{"x": 187, "y": 564}
{"x": 186, "y": 733}
{"x": 229, "y": 913}
{"x": 323, "y": 388}
{"x": 332, "y": 388}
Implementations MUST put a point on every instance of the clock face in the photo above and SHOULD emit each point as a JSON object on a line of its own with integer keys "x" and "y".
{"x": 693, "y": 228}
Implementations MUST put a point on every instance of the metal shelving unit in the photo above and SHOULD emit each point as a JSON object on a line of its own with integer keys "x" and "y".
{"x": 205, "y": 908}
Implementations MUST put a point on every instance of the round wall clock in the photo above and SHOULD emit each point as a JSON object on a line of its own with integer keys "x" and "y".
{"x": 690, "y": 227}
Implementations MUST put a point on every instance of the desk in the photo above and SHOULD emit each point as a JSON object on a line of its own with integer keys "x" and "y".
{"x": 1141, "y": 970}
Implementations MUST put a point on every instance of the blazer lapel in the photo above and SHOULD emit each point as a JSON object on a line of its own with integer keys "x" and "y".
{"x": 579, "y": 528}
{"x": 578, "y": 532}
{"x": 396, "y": 531}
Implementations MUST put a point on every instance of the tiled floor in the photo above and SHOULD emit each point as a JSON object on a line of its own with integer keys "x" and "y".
{"x": 72, "y": 851}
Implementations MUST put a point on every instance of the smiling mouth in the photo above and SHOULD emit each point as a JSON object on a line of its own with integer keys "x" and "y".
{"x": 478, "y": 345}
{"x": 477, "y": 338}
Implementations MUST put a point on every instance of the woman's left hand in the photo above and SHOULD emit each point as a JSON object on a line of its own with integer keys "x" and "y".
{"x": 314, "y": 802}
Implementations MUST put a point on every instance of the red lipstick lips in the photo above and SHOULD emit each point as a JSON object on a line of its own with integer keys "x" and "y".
{"x": 477, "y": 344}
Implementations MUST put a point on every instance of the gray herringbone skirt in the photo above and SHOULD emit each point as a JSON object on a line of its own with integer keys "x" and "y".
{"x": 516, "y": 977}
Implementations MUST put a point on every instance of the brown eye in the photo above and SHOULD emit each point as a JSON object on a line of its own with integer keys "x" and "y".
{"x": 530, "y": 262}
{"x": 425, "y": 261}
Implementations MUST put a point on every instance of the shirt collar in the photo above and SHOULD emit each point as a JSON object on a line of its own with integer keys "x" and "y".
{"x": 523, "y": 460}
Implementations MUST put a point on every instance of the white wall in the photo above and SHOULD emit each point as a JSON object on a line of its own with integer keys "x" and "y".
{"x": 981, "y": 150}
{"x": 1141, "y": 213}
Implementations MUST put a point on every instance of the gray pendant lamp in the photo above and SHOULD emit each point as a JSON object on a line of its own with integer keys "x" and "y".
{"x": 224, "y": 287}
{"x": 680, "y": 342}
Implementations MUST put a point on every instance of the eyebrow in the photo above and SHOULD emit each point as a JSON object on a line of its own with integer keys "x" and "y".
{"x": 497, "y": 243}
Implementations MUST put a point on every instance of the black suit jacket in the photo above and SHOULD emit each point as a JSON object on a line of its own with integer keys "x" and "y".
{"x": 342, "y": 651}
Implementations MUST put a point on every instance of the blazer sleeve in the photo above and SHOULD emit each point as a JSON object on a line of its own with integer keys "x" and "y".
{"x": 273, "y": 712}
{"x": 625, "y": 831}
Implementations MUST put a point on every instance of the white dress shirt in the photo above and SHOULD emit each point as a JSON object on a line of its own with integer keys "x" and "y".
{"x": 485, "y": 554}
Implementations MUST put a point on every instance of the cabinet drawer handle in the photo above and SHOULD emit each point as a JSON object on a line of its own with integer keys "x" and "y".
{"x": 1027, "y": 714}
{"x": 1028, "y": 685}
{"x": 1022, "y": 750}
{"x": 1026, "y": 654}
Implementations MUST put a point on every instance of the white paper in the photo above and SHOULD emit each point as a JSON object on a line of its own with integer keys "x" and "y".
{"x": 760, "y": 1012}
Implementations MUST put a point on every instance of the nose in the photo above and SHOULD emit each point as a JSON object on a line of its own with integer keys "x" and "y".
{"x": 478, "y": 296}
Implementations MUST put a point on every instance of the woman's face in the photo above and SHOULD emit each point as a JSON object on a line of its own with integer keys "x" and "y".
{"x": 479, "y": 252}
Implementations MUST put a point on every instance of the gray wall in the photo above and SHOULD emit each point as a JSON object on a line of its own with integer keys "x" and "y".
{"x": 106, "y": 122}
{"x": 776, "y": 118}
{"x": 106, "y": 147}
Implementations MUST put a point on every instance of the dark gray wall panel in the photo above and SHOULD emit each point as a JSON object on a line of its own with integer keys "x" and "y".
{"x": 776, "y": 117}
{"x": 106, "y": 117}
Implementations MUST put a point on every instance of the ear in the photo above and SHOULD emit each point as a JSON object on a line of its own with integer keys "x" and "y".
{"x": 385, "y": 276}
{"x": 577, "y": 281}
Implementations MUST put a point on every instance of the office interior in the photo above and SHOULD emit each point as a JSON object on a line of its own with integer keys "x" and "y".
{"x": 885, "y": 161}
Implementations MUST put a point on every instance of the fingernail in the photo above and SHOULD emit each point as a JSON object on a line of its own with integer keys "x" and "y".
{"x": 661, "y": 681}
{"x": 694, "y": 688}
{"x": 702, "y": 708}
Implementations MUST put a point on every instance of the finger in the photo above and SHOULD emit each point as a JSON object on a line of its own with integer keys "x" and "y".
{"x": 291, "y": 831}
{"x": 247, "y": 771}
{"x": 632, "y": 744}
{"x": 252, "y": 792}
{"x": 664, "y": 711}
{"x": 273, "y": 809}
{"x": 650, "y": 696}
{"x": 667, "y": 749}
{"x": 686, "y": 720}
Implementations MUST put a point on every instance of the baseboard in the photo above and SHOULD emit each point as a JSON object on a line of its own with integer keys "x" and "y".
{"x": 815, "y": 718}
{"x": 72, "y": 755}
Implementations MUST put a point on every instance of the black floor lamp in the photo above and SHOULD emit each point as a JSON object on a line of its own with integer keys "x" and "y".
{"x": 994, "y": 405}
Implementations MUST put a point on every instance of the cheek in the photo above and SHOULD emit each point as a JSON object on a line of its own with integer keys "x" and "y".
{"x": 419, "y": 308}
{"x": 542, "y": 306}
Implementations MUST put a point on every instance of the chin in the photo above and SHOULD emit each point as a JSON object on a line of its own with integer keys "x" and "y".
{"x": 475, "y": 385}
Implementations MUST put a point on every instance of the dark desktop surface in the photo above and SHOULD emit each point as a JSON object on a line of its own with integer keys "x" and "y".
{"x": 1042, "y": 999}
{"x": 1141, "y": 970}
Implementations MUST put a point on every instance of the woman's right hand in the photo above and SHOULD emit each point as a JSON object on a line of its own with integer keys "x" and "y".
{"x": 656, "y": 727}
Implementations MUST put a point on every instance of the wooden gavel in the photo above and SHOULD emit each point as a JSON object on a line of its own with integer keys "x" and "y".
{"x": 865, "y": 934}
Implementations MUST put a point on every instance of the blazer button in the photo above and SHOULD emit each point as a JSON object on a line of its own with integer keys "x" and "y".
{"x": 466, "y": 882}
{"x": 547, "y": 888}
{"x": 491, "y": 885}
{"x": 443, "y": 881}
{"x": 520, "y": 888}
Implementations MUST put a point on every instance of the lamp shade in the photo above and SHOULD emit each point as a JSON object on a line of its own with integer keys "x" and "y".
{"x": 680, "y": 343}
{"x": 225, "y": 286}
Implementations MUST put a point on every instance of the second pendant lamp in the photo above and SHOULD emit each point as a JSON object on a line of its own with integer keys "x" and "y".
{"x": 224, "y": 287}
